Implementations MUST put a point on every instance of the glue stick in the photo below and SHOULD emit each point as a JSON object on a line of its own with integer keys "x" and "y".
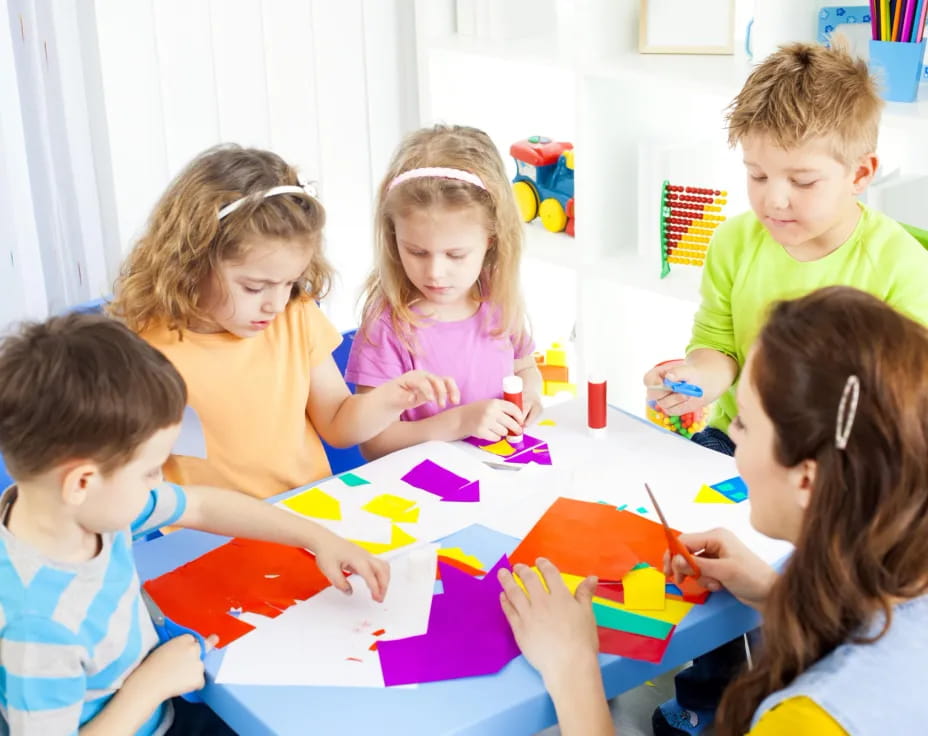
{"x": 512, "y": 391}
{"x": 596, "y": 404}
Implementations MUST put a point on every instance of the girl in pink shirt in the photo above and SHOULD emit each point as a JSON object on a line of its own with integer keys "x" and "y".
{"x": 444, "y": 293}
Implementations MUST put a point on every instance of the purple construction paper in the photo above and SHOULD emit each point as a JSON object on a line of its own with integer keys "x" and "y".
{"x": 433, "y": 478}
{"x": 538, "y": 454}
{"x": 523, "y": 451}
{"x": 467, "y": 635}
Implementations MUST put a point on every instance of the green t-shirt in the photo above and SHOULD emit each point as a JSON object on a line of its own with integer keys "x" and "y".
{"x": 746, "y": 270}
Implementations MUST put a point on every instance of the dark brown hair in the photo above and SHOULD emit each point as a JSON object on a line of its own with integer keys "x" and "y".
{"x": 863, "y": 541}
{"x": 82, "y": 386}
{"x": 185, "y": 241}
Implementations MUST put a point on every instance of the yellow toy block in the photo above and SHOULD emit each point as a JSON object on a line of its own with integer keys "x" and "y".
{"x": 644, "y": 589}
{"x": 552, "y": 388}
{"x": 556, "y": 355}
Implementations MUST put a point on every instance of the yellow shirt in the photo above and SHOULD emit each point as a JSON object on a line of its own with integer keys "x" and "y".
{"x": 251, "y": 396}
{"x": 799, "y": 716}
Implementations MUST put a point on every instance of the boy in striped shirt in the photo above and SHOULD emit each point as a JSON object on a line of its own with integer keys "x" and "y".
{"x": 88, "y": 414}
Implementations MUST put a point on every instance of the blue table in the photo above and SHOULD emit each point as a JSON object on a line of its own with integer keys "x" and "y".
{"x": 511, "y": 702}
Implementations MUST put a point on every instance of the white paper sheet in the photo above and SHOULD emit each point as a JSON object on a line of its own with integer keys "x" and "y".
{"x": 326, "y": 640}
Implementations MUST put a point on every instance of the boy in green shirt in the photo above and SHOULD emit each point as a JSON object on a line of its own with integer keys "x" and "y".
{"x": 807, "y": 120}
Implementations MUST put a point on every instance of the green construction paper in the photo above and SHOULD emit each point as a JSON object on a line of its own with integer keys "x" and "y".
{"x": 614, "y": 618}
{"x": 350, "y": 479}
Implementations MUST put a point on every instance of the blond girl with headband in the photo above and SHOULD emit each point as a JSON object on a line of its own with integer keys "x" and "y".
{"x": 444, "y": 293}
{"x": 224, "y": 282}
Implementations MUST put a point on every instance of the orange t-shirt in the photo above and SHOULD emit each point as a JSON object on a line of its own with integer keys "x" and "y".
{"x": 251, "y": 395}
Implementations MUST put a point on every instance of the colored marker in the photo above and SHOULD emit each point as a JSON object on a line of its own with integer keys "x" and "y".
{"x": 596, "y": 405}
{"x": 512, "y": 392}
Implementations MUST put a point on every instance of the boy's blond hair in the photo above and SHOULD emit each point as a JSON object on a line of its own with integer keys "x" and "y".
{"x": 466, "y": 149}
{"x": 164, "y": 275}
{"x": 805, "y": 91}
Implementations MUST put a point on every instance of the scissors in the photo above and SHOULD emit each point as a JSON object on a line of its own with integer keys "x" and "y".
{"x": 168, "y": 629}
{"x": 682, "y": 387}
{"x": 675, "y": 546}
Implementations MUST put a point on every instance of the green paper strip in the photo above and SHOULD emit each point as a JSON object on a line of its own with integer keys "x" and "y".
{"x": 350, "y": 479}
{"x": 616, "y": 618}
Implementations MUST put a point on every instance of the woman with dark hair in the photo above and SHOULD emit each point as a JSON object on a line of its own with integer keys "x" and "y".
{"x": 832, "y": 440}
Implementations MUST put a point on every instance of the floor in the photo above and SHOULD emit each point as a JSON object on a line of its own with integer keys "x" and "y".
{"x": 631, "y": 711}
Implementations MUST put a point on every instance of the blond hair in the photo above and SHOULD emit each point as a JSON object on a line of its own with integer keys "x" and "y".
{"x": 805, "y": 91}
{"x": 184, "y": 241}
{"x": 466, "y": 149}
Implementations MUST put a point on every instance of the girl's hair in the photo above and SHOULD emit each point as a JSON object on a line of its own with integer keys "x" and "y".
{"x": 465, "y": 149}
{"x": 863, "y": 542}
{"x": 185, "y": 240}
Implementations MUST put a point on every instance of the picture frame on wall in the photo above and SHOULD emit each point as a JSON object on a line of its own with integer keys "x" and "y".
{"x": 686, "y": 26}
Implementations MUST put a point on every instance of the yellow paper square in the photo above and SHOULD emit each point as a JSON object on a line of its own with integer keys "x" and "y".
{"x": 393, "y": 507}
{"x": 398, "y": 538}
{"x": 315, "y": 503}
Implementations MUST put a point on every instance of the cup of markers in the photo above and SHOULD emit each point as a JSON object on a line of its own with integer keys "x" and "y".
{"x": 685, "y": 425}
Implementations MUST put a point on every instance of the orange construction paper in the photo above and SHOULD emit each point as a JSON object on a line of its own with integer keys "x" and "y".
{"x": 584, "y": 538}
{"x": 243, "y": 574}
{"x": 457, "y": 564}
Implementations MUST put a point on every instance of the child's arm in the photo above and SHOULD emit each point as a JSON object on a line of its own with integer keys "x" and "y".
{"x": 172, "y": 669}
{"x": 236, "y": 515}
{"x": 343, "y": 419}
{"x": 713, "y": 371}
{"x": 490, "y": 419}
{"x": 527, "y": 369}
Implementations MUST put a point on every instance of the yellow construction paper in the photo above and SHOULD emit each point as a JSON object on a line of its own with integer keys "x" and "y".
{"x": 547, "y": 423}
{"x": 644, "y": 589}
{"x": 393, "y": 507}
{"x": 456, "y": 553}
{"x": 710, "y": 495}
{"x": 673, "y": 613}
{"x": 501, "y": 448}
{"x": 398, "y": 538}
{"x": 315, "y": 503}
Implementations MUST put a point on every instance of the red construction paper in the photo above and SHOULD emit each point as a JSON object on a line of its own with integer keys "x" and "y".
{"x": 693, "y": 592}
{"x": 584, "y": 538}
{"x": 633, "y": 646}
{"x": 259, "y": 577}
{"x": 457, "y": 564}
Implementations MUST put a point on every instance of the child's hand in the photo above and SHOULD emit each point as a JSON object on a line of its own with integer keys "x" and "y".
{"x": 672, "y": 403}
{"x": 490, "y": 419}
{"x": 531, "y": 407}
{"x": 419, "y": 387}
{"x": 725, "y": 562}
{"x": 335, "y": 555}
{"x": 555, "y": 630}
{"x": 174, "y": 668}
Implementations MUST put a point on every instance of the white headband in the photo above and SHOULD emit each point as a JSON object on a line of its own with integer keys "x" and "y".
{"x": 305, "y": 187}
{"x": 439, "y": 172}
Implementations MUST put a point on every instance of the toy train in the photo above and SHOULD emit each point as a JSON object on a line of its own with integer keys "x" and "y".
{"x": 544, "y": 182}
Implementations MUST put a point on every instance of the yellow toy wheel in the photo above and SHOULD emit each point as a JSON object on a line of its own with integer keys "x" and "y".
{"x": 526, "y": 199}
{"x": 552, "y": 215}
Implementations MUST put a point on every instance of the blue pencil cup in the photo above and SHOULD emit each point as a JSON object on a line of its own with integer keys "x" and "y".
{"x": 898, "y": 68}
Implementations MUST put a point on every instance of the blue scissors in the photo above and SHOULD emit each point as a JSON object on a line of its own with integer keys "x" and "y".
{"x": 682, "y": 387}
{"x": 168, "y": 629}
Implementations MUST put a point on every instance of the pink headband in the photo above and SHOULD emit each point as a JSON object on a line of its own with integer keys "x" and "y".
{"x": 440, "y": 172}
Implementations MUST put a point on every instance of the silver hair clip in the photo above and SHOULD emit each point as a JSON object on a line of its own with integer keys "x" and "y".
{"x": 303, "y": 186}
{"x": 847, "y": 410}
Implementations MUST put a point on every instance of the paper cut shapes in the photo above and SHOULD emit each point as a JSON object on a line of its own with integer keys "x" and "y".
{"x": 393, "y": 507}
{"x": 398, "y": 538}
{"x": 733, "y": 488}
{"x": 315, "y": 503}
{"x": 644, "y": 589}
{"x": 529, "y": 450}
{"x": 244, "y": 575}
{"x": 456, "y": 553}
{"x": 633, "y": 646}
{"x": 350, "y": 479}
{"x": 467, "y": 635}
{"x": 710, "y": 495}
{"x": 433, "y": 478}
{"x": 547, "y": 423}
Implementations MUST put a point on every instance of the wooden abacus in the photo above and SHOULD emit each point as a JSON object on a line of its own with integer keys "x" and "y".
{"x": 689, "y": 215}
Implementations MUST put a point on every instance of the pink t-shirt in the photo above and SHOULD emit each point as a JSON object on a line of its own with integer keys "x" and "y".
{"x": 464, "y": 350}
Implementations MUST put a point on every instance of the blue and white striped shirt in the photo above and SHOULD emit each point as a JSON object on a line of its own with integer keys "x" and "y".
{"x": 70, "y": 634}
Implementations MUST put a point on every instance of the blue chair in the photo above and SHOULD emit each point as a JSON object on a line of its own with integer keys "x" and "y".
{"x": 348, "y": 458}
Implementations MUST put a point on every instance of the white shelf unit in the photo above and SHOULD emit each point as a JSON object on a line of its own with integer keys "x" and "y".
{"x": 635, "y": 120}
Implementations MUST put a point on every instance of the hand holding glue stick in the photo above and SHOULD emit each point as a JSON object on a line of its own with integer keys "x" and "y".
{"x": 512, "y": 392}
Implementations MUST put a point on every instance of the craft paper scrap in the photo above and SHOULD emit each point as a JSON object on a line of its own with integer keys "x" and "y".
{"x": 456, "y": 553}
{"x": 615, "y": 618}
{"x": 433, "y": 478}
{"x": 328, "y": 640}
{"x": 710, "y": 495}
{"x": 467, "y": 635}
{"x": 350, "y": 479}
{"x": 547, "y": 423}
{"x": 674, "y": 611}
{"x": 241, "y": 575}
{"x": 734, "y": 488}
{"x": 398, "y": 539}
{"x": 529, "y": 450}
{"x": 582, "y": 538}
{"x": 632, "y": 646}
{"x": 315, "y": 503}
{"x": 393, "y": 507}
{"x": 458, "y": 565}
